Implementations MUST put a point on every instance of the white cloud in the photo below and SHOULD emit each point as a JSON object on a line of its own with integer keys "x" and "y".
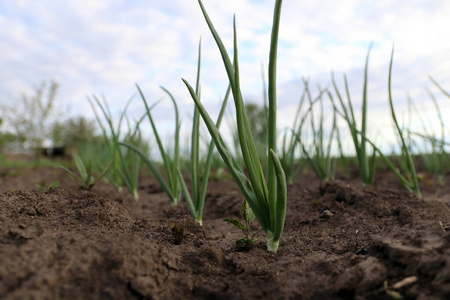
{"x": 95, "y": 47}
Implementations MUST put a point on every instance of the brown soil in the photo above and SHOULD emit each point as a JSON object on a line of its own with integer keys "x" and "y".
{"x": 341, "y": 241}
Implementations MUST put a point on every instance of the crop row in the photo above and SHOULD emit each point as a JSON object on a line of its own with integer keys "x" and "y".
{"x": 262, "y": 165}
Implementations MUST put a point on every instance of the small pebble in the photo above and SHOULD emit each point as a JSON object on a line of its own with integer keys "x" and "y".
{"x": 326, "y": 214}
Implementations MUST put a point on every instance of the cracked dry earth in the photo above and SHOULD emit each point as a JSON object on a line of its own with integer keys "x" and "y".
{"x": 341, "y": 241}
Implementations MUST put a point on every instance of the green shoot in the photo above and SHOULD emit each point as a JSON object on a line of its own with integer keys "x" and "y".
{"x": 319, "y": 154}
{"x": 409, "y": 178}
{"x": 46, "y": 188}
{"x": 196, "y": 202}
{"x": 438, "y": 160}
{"x": 287, "y": 156}
{"x": 171, "y": 187}
{"x": 407, "y": 183}
{"x": 440, "y": 87}
{"x": 366, "y": 163}
{"x": 343, "y": 160}
{"x": 86, "y": 178}
{"x": 289, "y": 145}
{"x": 435, "y": 156}
{"x": 247, "y": 216}
{"x": 125, "y": 170}
{"x": 267, "y": 201}
{"x": 409, "y": 167}
{"x": 438, "y": 148}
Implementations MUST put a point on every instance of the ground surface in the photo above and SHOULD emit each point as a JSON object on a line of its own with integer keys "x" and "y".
{"x": 341, "y": 241}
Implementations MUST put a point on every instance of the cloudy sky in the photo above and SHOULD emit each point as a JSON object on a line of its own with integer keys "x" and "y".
{"x": 104, "y": 47}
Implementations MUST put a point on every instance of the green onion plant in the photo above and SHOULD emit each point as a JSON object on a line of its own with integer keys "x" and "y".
{"x": 440, "y": 157}
{"x": 46, "y": 188}
{"x": 343, "y": 160}
{"x": 171, "y": 185}
{"x": 287, "y": 156}
{"x": 196, "y": 202}
{"x": 432, "y": 151}
{"x": 125, "y": 170}
{"x": 410, "y": 181}
{"x": 366, "y": 163}
{"x": 290, "y": 142}
{"x": 267, "y": 200}
{"x": 318, "y": 153}
{"x": 408, "y": 175}
{"x": 86, "y": 177}
{"x": 437, "y": 160}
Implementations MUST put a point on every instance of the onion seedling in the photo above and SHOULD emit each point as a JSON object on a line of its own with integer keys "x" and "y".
{"x": 267, "y": 200}
{"x": 46, "y": 188}
{"x": 409, "y": 178}
{"x": 172, "y": 186}
{"x": 432, "y": 153}
{"x": 438, "y": 160}
{"x": 412, "y": 184}
{"x": 289, "y": 145}
{"x": 366, "y": 163}
{"x": 86, "y": 177}
{"x": 196, "y": 202}
{"x": 438, "y": 148}
{"x": 125, "y": 170}
{"x": 319, "y": 154}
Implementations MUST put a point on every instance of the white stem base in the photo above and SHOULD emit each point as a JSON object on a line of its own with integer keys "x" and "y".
{"x": 272, "y": 245}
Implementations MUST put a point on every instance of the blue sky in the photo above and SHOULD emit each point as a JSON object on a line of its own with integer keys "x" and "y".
{"x": 105, "y": 47}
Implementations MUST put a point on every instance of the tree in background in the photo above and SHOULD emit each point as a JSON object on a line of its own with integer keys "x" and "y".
{"x": 33, "y": 117}
{"x": 74, "y": 132}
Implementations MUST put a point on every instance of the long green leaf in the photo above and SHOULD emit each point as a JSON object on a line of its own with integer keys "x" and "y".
{"x": 440, "y": 87}
{"x": 247, "y": 144}
{"x": 154, "y": 169}
{"x": 187, "y": 196}
{"x": 171, "y": 166}
{"x": 210, "y": 154}
{"x": 281, "y": 198}
{"x": 410, "y": 164}
{"x": 80, "y": 167}
{"x": 195, "y": 140}
{"x": 248, "y": 147}
{"x": 272, "y": 120}
{"x": 364, "y": 160}
{"x": 173, "y": 171}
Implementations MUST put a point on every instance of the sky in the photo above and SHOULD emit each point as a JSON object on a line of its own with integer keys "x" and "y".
{"x": 101, "y": 47}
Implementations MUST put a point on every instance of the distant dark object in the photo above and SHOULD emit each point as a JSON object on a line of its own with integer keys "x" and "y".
{"x": 54, "y": 152}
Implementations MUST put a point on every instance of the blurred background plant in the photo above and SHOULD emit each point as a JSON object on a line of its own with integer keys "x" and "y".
{"x": 73, "y": 133}
{"x": 31, "y": 119}
{"x": 126, "y": 163}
